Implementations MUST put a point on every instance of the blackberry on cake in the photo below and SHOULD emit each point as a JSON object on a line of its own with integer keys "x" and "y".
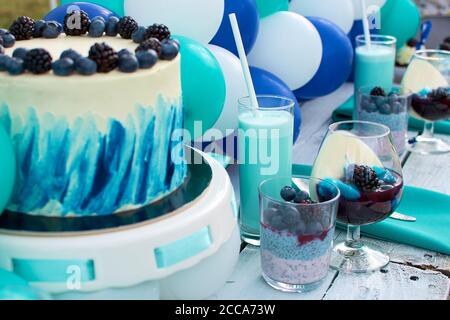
{"x": 150, "y": 44}
{"x": 104, "y": 56}
{"x": 126, "y": 26}
{"x": 38, "y": 61}
{"x": 365, "y": 178}
{"x": 76, "y": 23}
{"x": 22, "y": 28}
{"x": 158, "y": 31}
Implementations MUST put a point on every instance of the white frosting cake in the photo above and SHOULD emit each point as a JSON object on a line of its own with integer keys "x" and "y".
{"x": 93, "y": 145}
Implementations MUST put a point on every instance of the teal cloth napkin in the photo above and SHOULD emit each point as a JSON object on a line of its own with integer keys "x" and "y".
{"x": 345, "y": 112}
{"x": 431, "y": 230}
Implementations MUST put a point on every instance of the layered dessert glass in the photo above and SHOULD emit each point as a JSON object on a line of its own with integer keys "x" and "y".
{"x": 386, "y": 106}
{"x": 298, "y": 217}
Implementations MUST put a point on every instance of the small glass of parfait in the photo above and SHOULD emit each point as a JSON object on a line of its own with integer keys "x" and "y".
{"x": 298, "y": 218}
{"x": 386, "y": 106}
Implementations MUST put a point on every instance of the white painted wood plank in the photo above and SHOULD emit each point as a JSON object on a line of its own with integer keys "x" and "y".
{"x": 247, "y": 283}
{"x": 398, "y": 282}
{"x": 413, "y": 274}
{"x": 430, "y": 172}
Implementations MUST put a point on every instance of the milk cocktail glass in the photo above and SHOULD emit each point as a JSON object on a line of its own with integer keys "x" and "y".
{"x": 375, "y": 63}
{"x": 265, "y": 138}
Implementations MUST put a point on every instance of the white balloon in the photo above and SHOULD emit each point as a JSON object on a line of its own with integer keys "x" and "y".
{"x": 235, "y": 84}
{"x": 197, "y": 19}
{"x": 289, "y": 46}
{"x": 369, "y": 3}
{"x": 339, "y": 12}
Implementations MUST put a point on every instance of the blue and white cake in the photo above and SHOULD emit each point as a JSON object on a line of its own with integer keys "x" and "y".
{"x": 96, "y": 145}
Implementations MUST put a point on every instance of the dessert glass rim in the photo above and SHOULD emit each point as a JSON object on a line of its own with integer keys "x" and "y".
{"x": 333, "y": 129}
{"x": 265, "y": 195}
{"x": 422, "y": 55}
{"x": 377, "y": 39}
{"x": 402, "y": 92}
{"x": 245, "y": 103}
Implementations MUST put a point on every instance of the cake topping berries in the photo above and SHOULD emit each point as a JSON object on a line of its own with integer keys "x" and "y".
{"x": 150, "y": 44}
{"x": 22, "y": 28}
{"x": 104, "y": 56}
{"x": 158, "y": 31}
{"x": 127, "y": 25}
{"x": 154, "y": 43}
{"x": 38, "y": 61}
{"x": 76, "y": 23}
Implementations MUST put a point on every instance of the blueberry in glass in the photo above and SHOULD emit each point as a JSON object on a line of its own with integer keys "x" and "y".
{"x": 388, "y": 107}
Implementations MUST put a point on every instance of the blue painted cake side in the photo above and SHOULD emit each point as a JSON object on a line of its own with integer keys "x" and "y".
{"x": 81, "y": 168}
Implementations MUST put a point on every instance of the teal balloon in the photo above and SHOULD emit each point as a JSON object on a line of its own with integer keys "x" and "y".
{"x": 400, "y": 19}
{"x": 203, "y": 86}
{"x": 12, "y": 287}
{"x": 268, "y": 7}
{"x": 115, "y": 6}
{"x": 7, "y": 168}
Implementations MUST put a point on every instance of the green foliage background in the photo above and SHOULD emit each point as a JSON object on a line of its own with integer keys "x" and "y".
{"x": 11, "y": 9}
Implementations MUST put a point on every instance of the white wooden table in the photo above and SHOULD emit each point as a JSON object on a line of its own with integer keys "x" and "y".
{"x": 412, "y": 274}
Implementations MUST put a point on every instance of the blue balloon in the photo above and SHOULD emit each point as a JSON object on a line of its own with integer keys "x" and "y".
{"x": 337, "y": 61}
{"x": 92, "y": 10}
{"x": 357, "y": 30}
{"x": 267, "y": 83}
{"x": 248, "y": 17}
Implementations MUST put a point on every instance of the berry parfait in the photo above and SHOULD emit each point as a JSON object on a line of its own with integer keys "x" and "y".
{"x": 388, "y": 106}
{"x": 360, "y": 159}
{"x": 298, "y": 218}
{"x": 428, "y": 77}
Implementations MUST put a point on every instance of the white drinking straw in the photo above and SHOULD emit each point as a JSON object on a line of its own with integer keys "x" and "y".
{"x": 365, "y": 20}
{"x": 244, "y": 62}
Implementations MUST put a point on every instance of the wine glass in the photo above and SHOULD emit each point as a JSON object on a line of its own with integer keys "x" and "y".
{"x": 428, "y": 77}
{"x": 360, "y": 158}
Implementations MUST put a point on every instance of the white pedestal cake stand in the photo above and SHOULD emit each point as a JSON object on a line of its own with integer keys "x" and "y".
{"x": 188, "y": 252}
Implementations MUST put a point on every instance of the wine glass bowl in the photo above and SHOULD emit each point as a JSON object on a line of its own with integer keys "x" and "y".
{"x": 427, "y": 77}
{"x": 431, "y": 105}
{"x": 360, "y": 159}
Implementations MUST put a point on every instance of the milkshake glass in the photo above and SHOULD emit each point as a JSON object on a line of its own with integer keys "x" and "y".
{"x": 265, "y": 138}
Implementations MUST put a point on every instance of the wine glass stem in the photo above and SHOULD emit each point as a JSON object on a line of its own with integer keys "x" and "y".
{"x": 428, "y": 130}
{"x": 353, "y": 237}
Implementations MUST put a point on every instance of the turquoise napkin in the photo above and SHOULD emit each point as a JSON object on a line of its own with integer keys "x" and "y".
{"x": 345, "y": 112}
{"x": 431, "y": 230}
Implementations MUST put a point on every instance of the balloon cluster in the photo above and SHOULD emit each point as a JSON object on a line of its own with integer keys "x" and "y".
{"x": 301, "y": 48}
